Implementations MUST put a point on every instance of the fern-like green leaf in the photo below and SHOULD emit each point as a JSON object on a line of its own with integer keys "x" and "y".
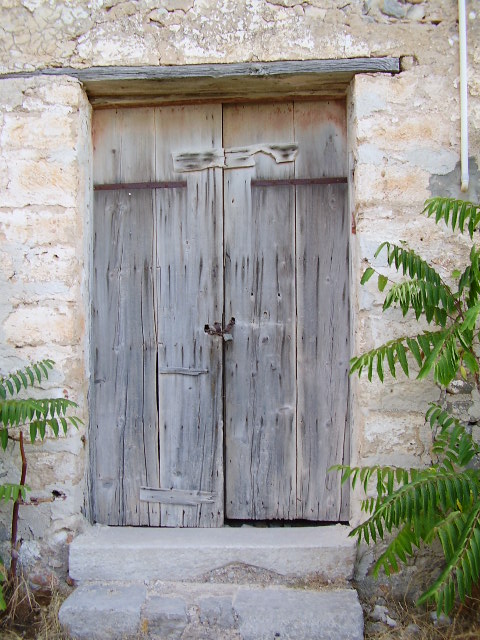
{"x": 413, "y": 499}
{"x": 461, "y": 571}
{"x": 367, "y": 274}
{"x": 455, "y": 213}
{"x": 12, "y": 383}
{"x": 401, "y": 546}
{"x": 409, "y": 263}
{"x": 20, "y": 411}
{"x": 11, "y": 491}
{"x": 434, "y": 301}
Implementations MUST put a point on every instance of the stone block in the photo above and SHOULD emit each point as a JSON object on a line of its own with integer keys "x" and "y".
{"x": 42, "y": 325}
{"x": 394, "y": 434}
{"x": 165, "y": 616}
{"x": 393, "y": 8}
{"x": 298, "y": 615}
{"x": 400, "y": 184}
{"x": 41, "y": 181}
{"x": 45, "y": 131}
{"x": 98, "y": 612}
{"x": 183, "y": 554}
{"x": 217, "y": 611}
{"x": 177, "y": 5}
{"x": 33, "y": 226}
{"x": 65, "y": 92}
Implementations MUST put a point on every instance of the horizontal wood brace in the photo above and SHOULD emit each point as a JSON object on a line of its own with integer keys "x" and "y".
{"x": 176, "y": 496}
{"x": 297, "y": 182}
{"x": 182, "y": 371}
{"x": 131, "y": 186}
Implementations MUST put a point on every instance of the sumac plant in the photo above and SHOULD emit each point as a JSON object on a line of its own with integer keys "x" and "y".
{"x": 414, "y": 507}
{"x": 20, "y": 415}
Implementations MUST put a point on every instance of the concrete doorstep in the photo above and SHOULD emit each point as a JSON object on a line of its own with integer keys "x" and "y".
{"x": 119, "y": 553}
{"x": 181, "y": 611}
{"x": 217, "y": 584}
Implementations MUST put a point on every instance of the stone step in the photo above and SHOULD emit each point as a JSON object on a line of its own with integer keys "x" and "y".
{"x": 119, "y": 553}
{"x": 181, "y": 611}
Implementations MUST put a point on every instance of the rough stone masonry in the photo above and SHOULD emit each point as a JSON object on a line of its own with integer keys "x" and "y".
{"x": 404, "y": 145}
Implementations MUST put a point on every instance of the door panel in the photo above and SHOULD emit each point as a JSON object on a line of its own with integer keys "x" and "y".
{"x": 158, "y": 279}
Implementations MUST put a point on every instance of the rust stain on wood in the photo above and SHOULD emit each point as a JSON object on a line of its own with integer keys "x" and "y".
{"x": 132, "y": 186}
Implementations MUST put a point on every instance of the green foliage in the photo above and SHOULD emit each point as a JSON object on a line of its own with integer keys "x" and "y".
{"x": 419, "y": 505}
{"x": 416, "y": 506}
{"x": 35, "y": 415}
{"x": 449, "y": 349}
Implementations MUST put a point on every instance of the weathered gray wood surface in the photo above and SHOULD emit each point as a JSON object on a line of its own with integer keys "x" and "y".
{"x": 157, "y": 281}
{"x": 190, "y": 295}
{"x": 260, "y": 294}
{"x": 322, "y": 312}
{"x": 273, "y": 254}
{"x": 256, "y": 69}
{"x": 111, "y": 86}
{"x": 309, "y": 386}
{"x": 176, "y": 496}
{"x": 123, "y": 330}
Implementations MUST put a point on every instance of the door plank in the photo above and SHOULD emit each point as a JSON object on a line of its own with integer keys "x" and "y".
{"x": 123, "y": 329}
{"x": 124, "y": 417}
{"x": 189, "y": 294}
{"x": 322, "y": 312}
{"x": 259, "y": 293}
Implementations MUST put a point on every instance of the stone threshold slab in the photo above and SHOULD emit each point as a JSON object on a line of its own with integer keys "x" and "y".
{"x": 131, "y": 553}
{"x": 108, "y": 611}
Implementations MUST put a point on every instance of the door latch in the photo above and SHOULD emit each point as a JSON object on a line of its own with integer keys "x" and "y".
{"x": 217, "y": 330}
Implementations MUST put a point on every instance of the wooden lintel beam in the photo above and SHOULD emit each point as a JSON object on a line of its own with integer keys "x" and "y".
{"x": 108, "y": 87}
{"x": 217, "y": 71}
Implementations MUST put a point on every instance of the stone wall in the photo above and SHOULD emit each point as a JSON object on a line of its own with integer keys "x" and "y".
{"x": 45, "y": 184}
{"x": 404, "y": 137}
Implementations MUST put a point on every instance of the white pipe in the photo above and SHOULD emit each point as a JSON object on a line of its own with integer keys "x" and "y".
{"x": 462, "y": 29}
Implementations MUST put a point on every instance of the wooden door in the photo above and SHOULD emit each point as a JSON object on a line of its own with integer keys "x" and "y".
{"x": 286, "y": 283}
{"x": 176, "y": 247}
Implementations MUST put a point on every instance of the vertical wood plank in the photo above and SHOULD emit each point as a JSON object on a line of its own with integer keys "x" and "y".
{"x": 259, "y": 293}
{"x": 123, "y": 331}
{"x": 322, "y": 312}
{"x": 189, "y": 294}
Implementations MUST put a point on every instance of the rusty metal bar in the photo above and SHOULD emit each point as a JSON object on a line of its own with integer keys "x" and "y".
{"x": 131, "y": 186}
{"x": 297, "y": 182}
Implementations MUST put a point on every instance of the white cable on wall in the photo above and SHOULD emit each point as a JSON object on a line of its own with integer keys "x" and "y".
{"x": 462, "y": 28}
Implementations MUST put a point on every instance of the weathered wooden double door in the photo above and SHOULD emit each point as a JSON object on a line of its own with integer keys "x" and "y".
{"x": 205, "y": 213}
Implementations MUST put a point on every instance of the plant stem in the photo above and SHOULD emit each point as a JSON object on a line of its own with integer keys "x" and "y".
{"x": 13, "y": 543}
